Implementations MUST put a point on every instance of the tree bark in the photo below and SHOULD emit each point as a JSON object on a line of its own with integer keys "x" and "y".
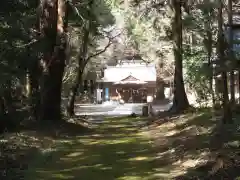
{"x": 160, "y": 91}
{"x": 209, "y": 46}
{"x": 33, "y": 93}
{"x": 73, "y": 93}
{"x": 238, "y": 86}
{"x": 209, "y": 52}
{"x": 180, "y": 101}
{"x": 231, "y": 56}
{"x": 227, "y": 115}
{"x": 53, "y": 30}
{"x": 81, "y": 66}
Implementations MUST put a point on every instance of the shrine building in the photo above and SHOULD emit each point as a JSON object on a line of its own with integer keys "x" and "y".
{"x": 129, "y": 80}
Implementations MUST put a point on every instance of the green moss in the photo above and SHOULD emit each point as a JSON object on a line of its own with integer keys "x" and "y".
{"x": 114, "y": 151}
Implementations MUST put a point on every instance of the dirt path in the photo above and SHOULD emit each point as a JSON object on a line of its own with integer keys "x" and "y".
{"x": 190, "y": 146}
{"x": 115, "y": 151}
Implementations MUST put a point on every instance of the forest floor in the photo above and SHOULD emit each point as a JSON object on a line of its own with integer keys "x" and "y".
{"x": 189, "y": 146}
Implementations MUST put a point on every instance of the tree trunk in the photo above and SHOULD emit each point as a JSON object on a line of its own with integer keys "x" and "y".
{"x": 227, "y": 115}
{"x": 160, "y": 91}
{"x": 231, "y": 56}
{"x": 209, "y": 52}
{"x": 73, "y": 93}
{"x": 180, "y": 101}
{"x": 3, "y": 111}
{"x": 52, "y": 22}
{"x": 81, "y": 66}
{"x": 33, "y": 80}
{"x": 208, "y": 46}
{"x": 239, "y": 86}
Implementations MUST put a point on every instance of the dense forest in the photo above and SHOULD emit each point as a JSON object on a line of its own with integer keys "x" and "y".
{"x": 47, "y": 48}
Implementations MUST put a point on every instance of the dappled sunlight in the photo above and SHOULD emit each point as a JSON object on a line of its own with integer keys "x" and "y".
{"x": 165, "y": 173}
{"x": 140, "y": 158}
{"x": 61, "y": 176}
{"x": 74, "y": 154}
{"x": 235, "y": 144}
{"x": 182, "y": 144}
{"x": 112, "y": 152}
{"x": 130, "y": 178}
{"x": 174, "y": 164}
{"x": 120, "y": 149}
{"x": 171, "y": 133}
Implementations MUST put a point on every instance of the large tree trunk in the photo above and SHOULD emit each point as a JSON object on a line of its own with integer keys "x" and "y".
{"x": 180, "y": 101}
{"x": 33, "y": 89}
{"x": 54, "y": 33}
{"x": 81, "y": 66}
{"x": 208, "y": 46}
{"x": 160, "y": 91}
{"x": 239, "y": 86}
{"x": 231, "y": 56}
{"x": 227, "y": 116}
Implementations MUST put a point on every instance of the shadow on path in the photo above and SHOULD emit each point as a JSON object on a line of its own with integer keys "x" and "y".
{"x": 114, "y": 151}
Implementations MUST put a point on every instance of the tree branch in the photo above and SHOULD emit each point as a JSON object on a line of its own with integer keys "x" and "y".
{"x": 28, "y": 44}
{"x": 110, "y": 41}
{"x": 101, "y": 51}
{"x": 75, "y": 10}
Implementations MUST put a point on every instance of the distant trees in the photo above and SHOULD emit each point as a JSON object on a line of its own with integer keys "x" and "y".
{"x": 221, "y": 56}
{"x": 17, "y": 18}
{"x": 93, "y": 28}
{"x": 187, "y": 40}
{"x": 203, "y": 63}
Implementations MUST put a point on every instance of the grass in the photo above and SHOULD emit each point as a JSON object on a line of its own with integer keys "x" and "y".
{"x": 197, "y": 146}
{"x": 190, "y": 146}
{"x": 114, "y": 151}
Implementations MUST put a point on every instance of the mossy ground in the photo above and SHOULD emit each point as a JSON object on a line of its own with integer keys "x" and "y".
{"x": 115, "y": 150}
{"x": 190, "y": 146}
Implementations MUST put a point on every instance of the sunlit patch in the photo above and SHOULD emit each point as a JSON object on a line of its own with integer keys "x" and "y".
{"x": 165, "y": 153}
{"x": 116, "y": 141}
{"x": 62, "y": 176}
{"x": 120, "y": 152}
{"x": 98, "y": 165}
{"x": 232, "y": 144}
{"x": 64, "y": 141}
{"x": 75, "y": 154}
{"x": 106, "y": 168}
{"x": 190, "y": 163}
{"x": 93, "y": 143}
{"x": 171, "y": 133}
{"x": 130, "y": 178}
{"x": 97, "y": 135}
{"x": 48, "y": 150}
{"x": 139, "y": 158}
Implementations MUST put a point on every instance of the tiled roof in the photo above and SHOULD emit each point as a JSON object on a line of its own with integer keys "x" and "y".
{"x": 143, "y": 73}
{"x": 130, "y": 78}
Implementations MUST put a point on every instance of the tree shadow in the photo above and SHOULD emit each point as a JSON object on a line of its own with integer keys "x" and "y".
{"x": 19, "y": 145}
{"x": 108, "y": 153}
{"x": 203, "y": 147}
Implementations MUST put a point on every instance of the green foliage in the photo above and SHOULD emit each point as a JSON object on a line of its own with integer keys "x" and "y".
{"x": 16, "y": 22}
{"x": 101, "y": 18}
{"x": 197, "y": 73}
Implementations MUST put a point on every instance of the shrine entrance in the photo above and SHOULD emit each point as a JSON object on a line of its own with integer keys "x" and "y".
{"x": 131, "y": 94}
{"x": 135, "y": 95}
{"x": 131, "y": 90}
